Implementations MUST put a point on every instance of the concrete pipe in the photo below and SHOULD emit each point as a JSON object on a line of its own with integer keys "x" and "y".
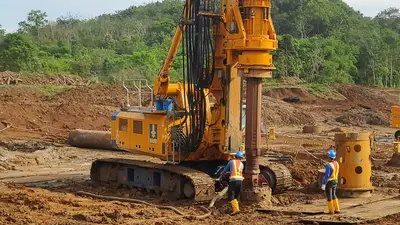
{"x": 90, "y": 139}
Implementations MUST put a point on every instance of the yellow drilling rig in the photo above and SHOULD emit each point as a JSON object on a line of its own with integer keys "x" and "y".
{"x": 195, "y": 125}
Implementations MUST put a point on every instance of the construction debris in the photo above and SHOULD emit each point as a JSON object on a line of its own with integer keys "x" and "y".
{"x": 6, "y": 126}
{"x": 10, "y": 78}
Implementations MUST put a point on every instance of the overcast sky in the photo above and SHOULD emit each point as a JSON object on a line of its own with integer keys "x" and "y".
{"x": 14, "y": 11}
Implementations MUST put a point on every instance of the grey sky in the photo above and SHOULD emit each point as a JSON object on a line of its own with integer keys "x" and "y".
{"x": 14, "y": 11}
{"x": 372, "y": 7}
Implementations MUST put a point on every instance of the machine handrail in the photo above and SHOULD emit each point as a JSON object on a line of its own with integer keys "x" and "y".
{"x": 138, "y": 84}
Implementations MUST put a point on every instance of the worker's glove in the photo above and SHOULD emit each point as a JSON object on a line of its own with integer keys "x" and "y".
{"x": 323, "y": 187}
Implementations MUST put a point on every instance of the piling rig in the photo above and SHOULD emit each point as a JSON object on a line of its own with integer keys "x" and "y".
{"x": 195, "y": 126}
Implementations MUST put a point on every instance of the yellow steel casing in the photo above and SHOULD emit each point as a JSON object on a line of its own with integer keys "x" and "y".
{"x": 396, "y": 147}
{"x": 354, "y": 157}
{"x": 271, "y": 134}
{"x": 140, "y": 132}
{"x": 255, "y": 59}
{"x": 395, "y": 117}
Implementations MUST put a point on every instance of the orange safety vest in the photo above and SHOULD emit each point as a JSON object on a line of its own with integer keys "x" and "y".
{"x": 335, "y": 170}
{"x": 236, "y": 170}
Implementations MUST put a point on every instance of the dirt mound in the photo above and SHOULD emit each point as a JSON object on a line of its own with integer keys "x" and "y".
{"x": 81, "y": 107}
{"x": 357, "y": 106}
{"x": 94, "y": 95}
{"x": 90, "y": 107}
{"x": 388, "y": 220}
{"x": 369, "y": 97}
{"x": 278, "y": 112}
{"x": 287, "y": 93}
{"x": 38, "y": 206}
{"x": 10, "y": 78}
{"x": 360, "y": 116}
{"x": 304, "y": 171}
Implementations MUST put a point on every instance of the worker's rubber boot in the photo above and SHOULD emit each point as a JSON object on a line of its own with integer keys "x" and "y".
{"x": 336, "y": 206}
{"x": 330, "y": 207}
{"x": 235, "y": 207}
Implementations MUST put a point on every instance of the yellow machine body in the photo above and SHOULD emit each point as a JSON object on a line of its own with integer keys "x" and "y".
{"x": 243, "y": 41}
{"x": 143, "y": 132}
{"x": 354, "y": 157}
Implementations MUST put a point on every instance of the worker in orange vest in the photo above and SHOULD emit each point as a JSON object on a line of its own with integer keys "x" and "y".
{"x": 330, "y": 183}
{"x": 235, "y": 170}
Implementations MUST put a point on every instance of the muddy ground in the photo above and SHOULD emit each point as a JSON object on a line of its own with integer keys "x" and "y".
{"x": 40, "y": 174}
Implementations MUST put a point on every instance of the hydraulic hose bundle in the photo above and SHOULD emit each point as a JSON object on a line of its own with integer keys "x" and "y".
{"x": 198, "y": 59}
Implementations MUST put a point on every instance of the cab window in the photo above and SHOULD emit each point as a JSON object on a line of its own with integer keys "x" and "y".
{"x": 123, "y": 124}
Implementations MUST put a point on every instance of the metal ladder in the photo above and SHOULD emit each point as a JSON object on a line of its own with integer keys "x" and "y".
{"x": 171, "y": 135}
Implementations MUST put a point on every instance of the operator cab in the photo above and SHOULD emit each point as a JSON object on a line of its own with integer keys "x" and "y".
{"x": 140, "y": 125}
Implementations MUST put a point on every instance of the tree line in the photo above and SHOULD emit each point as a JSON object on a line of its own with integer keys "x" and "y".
{"x": 323, "y": 41}
{"x": 130, "y": 43}
{"x": 326, "y": 41}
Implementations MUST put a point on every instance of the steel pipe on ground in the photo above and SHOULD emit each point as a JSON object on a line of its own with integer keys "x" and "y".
{"x": 90, "y": 139}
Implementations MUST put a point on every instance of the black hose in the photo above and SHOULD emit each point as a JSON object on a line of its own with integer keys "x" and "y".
{"x": 198, "y": 73}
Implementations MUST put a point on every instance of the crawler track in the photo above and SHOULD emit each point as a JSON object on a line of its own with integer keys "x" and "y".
{"x": 278, "y": 175}
{"x": 174, "y": 180}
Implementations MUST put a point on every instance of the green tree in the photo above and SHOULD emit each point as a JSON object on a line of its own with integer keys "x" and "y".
{"x": 389, "y": 18}
{"x": 35, "y": 21}
{"x": 2, "y": 31}
{"x": 390, "y": 57}
{"x": 322, "y": 41}
{"x": 287, "y": 58}
{"x": 19, "y": 54}
{"x": 316, "y": 59}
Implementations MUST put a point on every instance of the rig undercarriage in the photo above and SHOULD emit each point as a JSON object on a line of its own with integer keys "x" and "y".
{"x": 177, "y": 181}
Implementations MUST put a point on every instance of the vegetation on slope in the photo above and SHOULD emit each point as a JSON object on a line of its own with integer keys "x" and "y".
{"x": 321, "y": 41}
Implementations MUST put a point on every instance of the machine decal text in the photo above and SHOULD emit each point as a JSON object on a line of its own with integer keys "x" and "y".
{"x": 153, "y": 133}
